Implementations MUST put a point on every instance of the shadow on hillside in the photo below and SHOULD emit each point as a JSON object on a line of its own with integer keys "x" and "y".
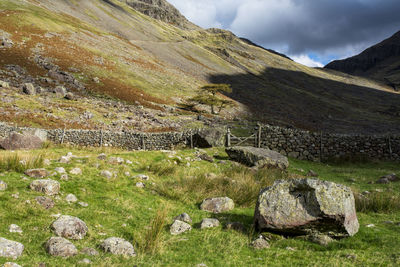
{"x": 292, "y": 98}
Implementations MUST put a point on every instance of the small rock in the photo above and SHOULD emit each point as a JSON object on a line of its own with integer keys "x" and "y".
{"x": 64, "y": 159}
{"x": 290, "y": 248}
{"x": 217, "y": 205}
{"x": 89, "y": 251}
{"x": 70, "y": 96}
{"x": 37, "y": 173}
{"x": 260, "y": 243}
{"x": 322, "y": 240}
{"x": 128, "y": 174}
{"x": 16, "y": 195}
{"x": 15, "y": 229}
{"x": 142, "y": 176}
{"x": 102, "y": 156}
{"x": 10, "y": 249}
{"x": 312, "y": 173}
{"x": 29, "y": 89}
{"x": 351, "y": 256}
{"x": 60, "y": 170}
{"x": 206, "y": 157}
{"x": 179, "y": 227}
{"x": 107, "y": 174}
{"x": 60, "y": 91}
{"x": 83, "y": 204}
{"x": 47, "y": 162}
{"x": 128, "y": 162}
{"x": 370, "y": 225}
{"x": 140, "y": 185}
{"x": 209, "y": 223}
{"x": 11, "y": 264}
{"x": 184, "y": 217}
{"x": 75, "y": 171}
{"x": 4, "y": 84}
{"x": 48, "y": 186}
{"x": 71, "y": 198}
{"x": 3, "y": 186}
{"x": 85, "y": 261}
{"x": 118, "y": 246}
{"x": 211, "y": 176}
{"x": 116, "y": 161}
{"x": 69, "y": 227}
{"x": 60, "y": 247}
{"x": 64, "y": 177}
{"x": 45, "y": 202}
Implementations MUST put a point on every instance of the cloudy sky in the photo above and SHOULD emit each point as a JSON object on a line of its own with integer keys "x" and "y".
{"x": 312, "y": 32}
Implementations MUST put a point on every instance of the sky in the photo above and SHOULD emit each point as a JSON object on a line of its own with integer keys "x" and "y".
{"x": 312, "y": 32}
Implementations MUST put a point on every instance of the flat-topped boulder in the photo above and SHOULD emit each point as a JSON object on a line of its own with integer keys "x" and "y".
{"x": 70, "y": 227}
{"x": 118, "y": 246}
{"x": 60, "y": 247}
{"x": 217, "y": 204}
{"x": 258, "y": 157}
{"x": 46, "y": 186}
{"x": 304, "y": 206}
{"x": 10, "y": 249}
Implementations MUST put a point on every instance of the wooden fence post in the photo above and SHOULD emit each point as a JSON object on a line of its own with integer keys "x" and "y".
{"x": 320, "y": 146}
{"x": 228, "y": 137}
{"x": 63, "y": 136}
{"x": 143, "y": 143}
{"x": 259, "y": 135}
{"x": 390, "y": 147}
{"x": 191, "y": 139}
{"x": 101, "y": 138}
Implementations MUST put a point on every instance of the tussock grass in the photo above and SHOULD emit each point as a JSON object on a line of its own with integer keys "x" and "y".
{"x": 152, "y": 240}
{"x": 239, "y": 183}
{"x": 376, "y": 202}
{"x": 162, "y": 168}
{"x": 20, "y": 164}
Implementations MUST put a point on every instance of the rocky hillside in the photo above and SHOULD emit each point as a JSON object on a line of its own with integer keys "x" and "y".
{"x": 380, "y": 62}
{"x": 145, "y": 56}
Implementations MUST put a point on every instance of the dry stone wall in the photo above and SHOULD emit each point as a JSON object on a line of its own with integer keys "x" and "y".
{"x": 321, "y": 146}
{"x": 96, "y": 138}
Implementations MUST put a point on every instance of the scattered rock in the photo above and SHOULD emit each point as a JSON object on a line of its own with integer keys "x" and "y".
{"x": 388, "y": 179}
{"x": 10, "y": 249}
{"x": 83, "y": 204}
{"x": 140, "y": 185}
{"x": 69, "y": 227}
{"x": 3, "y": 186}
{"x": 89, "y": 251}
{"x": 206, "y": 157}
{"x": 6, "y": 42}
{"x": 76, "y": 171}
{"x": 71, "y": 198}
{"x": 107, "y": 174}
{"x": 210, "y": 137}
{"x": 85, "y": 261}
{"x": 69, "y": 96}
{"x": 184, "y": 217}
{"x": 260, "y": 243}
{"x": 116, "y": 160}
{"x": 179, "y": 227}
{"x": 60, "y": 247}
{"x": 102, "y": 156}
{"x": 37, "y": 173}
{"x": 144, "y": 177}
{"x": 11, "y": 264}
{"x": 45, "y": 202}
{"x": 60, "y": 170}
{"x": 29, "y": 89}
{"x": 370, "y": 225}
{"x": 60, "y": 91}
{"x": 48, "y": 186}
{"x": 15, "y": 229}
{"x": 118, "y": 246}
{"x": 64, "y": 177}
{"x": 217, "y": 205}
{"x": 47, "y": 162}
{"x": 258, "y": 157}
{"x": 17, "y": 141}
{"x": 319, "y": 239}
{"x": 312, "y": 173}
{"x": 209, "y": 223}
{"x": 211, "y": 176}
{"x": 306, "y": 205}
{"x": 64, "y": 159}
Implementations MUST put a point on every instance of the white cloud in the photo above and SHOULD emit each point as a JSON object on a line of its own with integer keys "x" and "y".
{"x": 306, "y": 60}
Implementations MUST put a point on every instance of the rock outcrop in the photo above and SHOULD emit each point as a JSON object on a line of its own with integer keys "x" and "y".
{"x": 305, "y": 206}
{"x": 258, "y": 157}
{"x": 209, "y": 137}
{"x": 17, "y": 141}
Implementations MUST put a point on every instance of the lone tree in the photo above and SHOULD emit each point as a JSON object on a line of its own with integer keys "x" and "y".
{"x": 208, "y": 95}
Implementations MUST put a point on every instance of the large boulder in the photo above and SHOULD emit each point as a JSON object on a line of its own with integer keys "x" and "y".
{"x": 70, "y": 227}
{"x": 60, "y": 247}
{"x": 46, "y": 186}
{"x": 29, "y": 89}
{"x": 210, "y": 137}
{"x": 257, "y": 157}
{"x": 42, "y": 134}
{"x": 305, "y": 206}
{"x": 17, "y": 141}
{"x": 10, "y": 249}
{"x": 118, "y": 246}
{"x": 217, "y": 205}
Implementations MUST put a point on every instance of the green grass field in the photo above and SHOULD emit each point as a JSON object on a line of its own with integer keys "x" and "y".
{"x": 177, "y": 184}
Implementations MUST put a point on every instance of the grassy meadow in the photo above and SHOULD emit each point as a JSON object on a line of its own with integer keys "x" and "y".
{"x": 178, "y": 183}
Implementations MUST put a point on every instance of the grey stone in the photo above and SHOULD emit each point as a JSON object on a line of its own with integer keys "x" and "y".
{"x": 41, "y": 134}
{"x": 4, "y": 84}
{"x": 17, "y": 141}
{"x": 307, "y": 205}
{"x": 179, "y": 227}
{"x": 144, "y": 177}
{"x": 15, "y": 229}
{"x": 118, "y": 246}
{"x": 69, "y": 227}
{"x": 29, "y": 89}
{"x": 69, "y": 96}
{"x": 319, "y": 239}
{"x": 71, "y": 198}
{"x": 60, "y": 170}
{"x": 10, "y": 249}
{"x": 102, "y": 156}
{"x": 388, "y": 179}
{"x": 89, "y": 251}
{"x": 206, "y": 157}
{"x": 47, "y": 186}
{"x": 37, "y": 173}
{"x": 184, "y": 217}
{"x": 312, "y": 173}
{"x": 116, "y": 160}
{"x": 60, "y": 91}
{"x": 217, "y": 205}
{"x": 140, "y": 185}
{"x": 260, "y": 243}
{"x": 11, "y": 264}
{"x": 210, "y": 137}
{"x": 258, "y": 157}
{"x": 75, "y": 171}
{"x": 107, "y": 174}
{"x": 85, "y": 261}
{"x": 45, "y": 202}
{"x": 64, "y": 177}
{"x": 83, "y": 204}
{"x": 209, "y": 223}
{"x": 60, "y": 247}
{"x": 3, "y": 186}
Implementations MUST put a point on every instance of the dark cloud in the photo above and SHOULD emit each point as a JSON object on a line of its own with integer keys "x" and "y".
{"x": 325, "y": 28}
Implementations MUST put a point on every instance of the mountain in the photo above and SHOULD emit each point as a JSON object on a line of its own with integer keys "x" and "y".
{"x": 380, "y": 62}
{"x": 134, "y": 63}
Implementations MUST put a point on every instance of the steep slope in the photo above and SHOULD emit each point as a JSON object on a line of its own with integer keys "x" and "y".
{"x": 380, "y": 62}
{"x": 110, "y": 48}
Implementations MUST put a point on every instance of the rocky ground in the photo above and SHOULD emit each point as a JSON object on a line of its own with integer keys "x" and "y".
{"x": 190, "y": 207}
